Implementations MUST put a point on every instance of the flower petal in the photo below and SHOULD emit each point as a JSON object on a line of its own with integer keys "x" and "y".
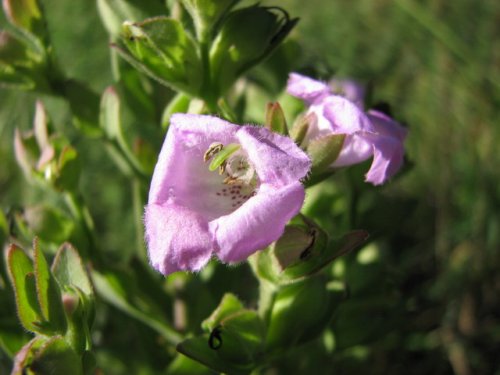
{"x": 306, "y": 88}
{"x": 277, "y": 159}
{"x": 385, "y": 125}
{"x": 345, "y": 117}
{"x": 177, "y": 238}
{"x": 188, "y": 137}
{"x": 388, "y": 154}
{"x": 257, "y": 223}
{"x": 356, "y": 149}
{"x": 350, "y": 89}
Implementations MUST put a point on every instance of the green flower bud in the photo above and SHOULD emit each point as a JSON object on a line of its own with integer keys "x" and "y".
{"x": 246, "y": 37}
{"x": 300, "y": 312}
{"x": 303, "y": 250}
{"x": 275, "y": 119}
{"x": 300, "y": 128}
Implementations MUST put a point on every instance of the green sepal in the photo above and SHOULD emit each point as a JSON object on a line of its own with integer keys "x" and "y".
{"x": 275, "y": 119}
{"x": 48, "y": 293}
{"x": 299, "y": 129}
{"x": 324, "y": 151}
{"x": 162, "y": 46}
{"x": 300, "y": 312}
{"x": 302, "y": 251}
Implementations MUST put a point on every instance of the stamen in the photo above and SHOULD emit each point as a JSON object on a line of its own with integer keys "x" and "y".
{"x": 213, "y": 149}
{"x": 222, "y": 155}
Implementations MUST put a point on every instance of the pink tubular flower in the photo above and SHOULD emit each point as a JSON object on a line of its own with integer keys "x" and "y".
{"x": 371, "y": 134}
{"x": 220, "y": 189}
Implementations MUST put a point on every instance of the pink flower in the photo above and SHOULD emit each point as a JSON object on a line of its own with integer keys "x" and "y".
{"x": 371, "y": 134}
{"x": 220, "y": 189}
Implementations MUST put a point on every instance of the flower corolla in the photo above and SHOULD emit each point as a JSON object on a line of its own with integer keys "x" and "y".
{"x": 370, "y": 134}
{"x": 220, "y": 189}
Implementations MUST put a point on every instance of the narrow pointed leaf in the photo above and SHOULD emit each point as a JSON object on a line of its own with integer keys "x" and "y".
{"x": 48, "y": 293}
{"x": 20, "y": 267}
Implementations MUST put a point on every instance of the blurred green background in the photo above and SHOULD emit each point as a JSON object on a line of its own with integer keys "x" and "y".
{"x": 426, "y": 292}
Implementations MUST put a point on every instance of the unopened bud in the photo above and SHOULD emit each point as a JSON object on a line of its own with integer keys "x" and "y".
{"x": 70, "y": 303}
{"x": 300, "y": 312}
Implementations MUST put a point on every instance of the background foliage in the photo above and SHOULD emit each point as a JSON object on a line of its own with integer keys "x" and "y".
{"x": 425, "y": 289}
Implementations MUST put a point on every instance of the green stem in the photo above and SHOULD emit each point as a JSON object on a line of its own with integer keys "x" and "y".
{"x": 207, "y": 90}
{"x": 267, "y": 294}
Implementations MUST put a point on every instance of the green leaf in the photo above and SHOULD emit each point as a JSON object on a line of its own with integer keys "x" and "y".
{"x": 120, "y": 289}
{"x": 49, "y": 295}
{"x": 197, "y": 348}
{"x": 69, "y": 271}
{"x": 25, "y": 14}
{"x": 109, "y": 117}
{"x": 183, "y": 365}
{"x": 162, "y": 45}
{"x": 4, "y": 229}
{"x": 84, "y": 105}
{"x": 324, "y": 151}
{"x": 247, "y": 36}
{"x": 275, "y": 119}
{"x": 179, "y": 104}
{"x": 229, "y": 305}
{"x": 48, "y": 223}
{"x": 12, "y": 51}
{"x": 206, "y": 14}
{"x": 69, "y": 167}
{"x": 241, "y": 337}
{"x": 114, "y": 12}
{"x": 56, "y": 357}
{"x": 22, "y": 278}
